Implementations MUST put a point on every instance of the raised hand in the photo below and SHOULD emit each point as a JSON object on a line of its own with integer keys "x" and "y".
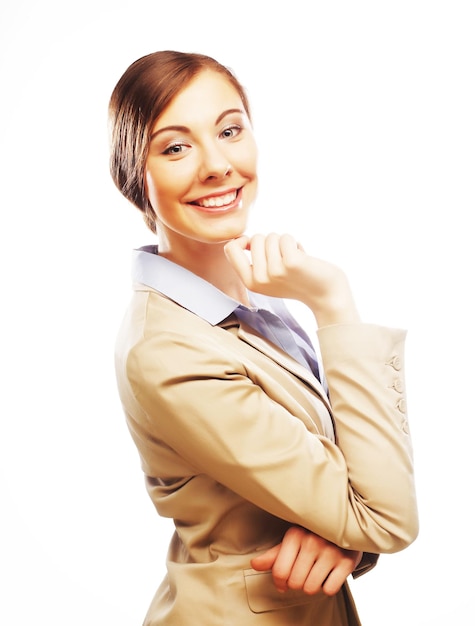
{"x": 308, "y": 562}
{"x": 277, "y": 265}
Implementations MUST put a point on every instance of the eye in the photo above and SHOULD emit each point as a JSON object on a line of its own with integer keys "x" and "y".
{"x": 174, "y": 149}
{"x": 231, "y": 131}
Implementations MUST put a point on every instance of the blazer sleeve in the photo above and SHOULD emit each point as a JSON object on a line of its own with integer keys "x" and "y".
{"x": 199, "y": 399}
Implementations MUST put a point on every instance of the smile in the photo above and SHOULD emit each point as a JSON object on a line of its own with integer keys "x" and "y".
{"x": 217, "y": 201}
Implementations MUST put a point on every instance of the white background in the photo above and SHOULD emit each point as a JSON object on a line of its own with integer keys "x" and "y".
{"x": 364, "y": 113}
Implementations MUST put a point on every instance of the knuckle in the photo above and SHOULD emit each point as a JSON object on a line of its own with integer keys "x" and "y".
{"x": 279, "y": 574}
{"x": 331, "y": 588}
{"x": 257, "y": 239}
{"x": 311, "y": 588}
{"x": 276, "y": 273}
{"x": 294, "y": 583}
{"x": 294, "y": 532}
{"x": 311, "y": 541}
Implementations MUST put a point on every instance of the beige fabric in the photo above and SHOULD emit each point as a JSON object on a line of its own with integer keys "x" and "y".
{"x": 230, "y": 435}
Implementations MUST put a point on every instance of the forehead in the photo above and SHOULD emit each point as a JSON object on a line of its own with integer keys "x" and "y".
{"x": 203, "y": 99}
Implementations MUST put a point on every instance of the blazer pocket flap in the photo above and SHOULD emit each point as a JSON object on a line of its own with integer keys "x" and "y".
{"x": 262, "y": 594}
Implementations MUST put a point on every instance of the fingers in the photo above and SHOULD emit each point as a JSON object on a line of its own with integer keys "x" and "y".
{"x": 308, "y": 562}
{"x": 341, "y": 571}
{"x": 276, "y": 265}
{"x": 258, "y": 262}
{"x": 307, "y": 574}
{"x": 332, "y": 584}
{"x": 280, "y": 251}
{"x": 240, "y": 243}
{"x": 315, "y": 560}
{"x": 265, "y": 562}
{"x": 290, "y": 250}
{"x": 274, "y": 262}
{"x": 285, "y": 565}
{"x": 268, "y": 259}
{"x": 236, "y": 255}
{"x": 327, "y": 576}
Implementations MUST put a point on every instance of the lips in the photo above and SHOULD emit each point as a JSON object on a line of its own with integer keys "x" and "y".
{"x": 218, "y": 201}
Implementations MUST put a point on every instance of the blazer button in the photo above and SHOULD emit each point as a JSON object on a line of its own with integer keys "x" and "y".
{"x": 401, "y": 405}
{"x": 395, "y": 362}
{"x": 405, "y": 426}
{"x": 398, "y": 385}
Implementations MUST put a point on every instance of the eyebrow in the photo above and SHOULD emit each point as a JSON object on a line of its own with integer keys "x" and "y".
{"x": 185, "y": 129}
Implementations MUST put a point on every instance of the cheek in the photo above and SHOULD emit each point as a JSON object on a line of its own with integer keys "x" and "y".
{"x": 248, "y": 159}
{"x": 170, "y": 183}
{"x": 155, "y": 188}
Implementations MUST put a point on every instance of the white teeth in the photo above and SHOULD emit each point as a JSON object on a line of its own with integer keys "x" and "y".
{"x": 218, "y": 201}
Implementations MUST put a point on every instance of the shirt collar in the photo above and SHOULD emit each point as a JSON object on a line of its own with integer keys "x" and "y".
{"x": 182, "y": 286}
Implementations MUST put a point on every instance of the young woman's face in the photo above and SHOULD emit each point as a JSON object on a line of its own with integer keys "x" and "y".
{"x": 200, "y": 172}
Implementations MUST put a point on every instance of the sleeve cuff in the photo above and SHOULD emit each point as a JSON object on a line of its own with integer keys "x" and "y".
{"x": 367, "y": 563}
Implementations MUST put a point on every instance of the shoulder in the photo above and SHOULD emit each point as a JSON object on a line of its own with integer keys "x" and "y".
{"x": 150, "y": 313}
{"x": 162, "y": 339}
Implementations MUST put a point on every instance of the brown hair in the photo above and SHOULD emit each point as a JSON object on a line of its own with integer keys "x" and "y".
{"x": 143, "y": 92}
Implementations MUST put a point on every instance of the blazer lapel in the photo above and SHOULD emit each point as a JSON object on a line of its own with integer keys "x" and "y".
{"x": 250, "y": 336}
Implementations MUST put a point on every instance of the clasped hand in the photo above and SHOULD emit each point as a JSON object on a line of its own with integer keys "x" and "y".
{"x": 307, "y": 562}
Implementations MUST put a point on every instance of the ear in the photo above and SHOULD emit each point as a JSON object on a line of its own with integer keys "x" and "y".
{"x": 146, "y": 195}
{"x": 145, "y": 182}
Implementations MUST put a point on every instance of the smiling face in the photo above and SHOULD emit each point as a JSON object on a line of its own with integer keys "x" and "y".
{"x": 200, "y": 173}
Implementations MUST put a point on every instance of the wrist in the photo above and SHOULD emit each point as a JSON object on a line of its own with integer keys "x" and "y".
{"x": 335, "y": 310}
{"x": 337, "y": 316}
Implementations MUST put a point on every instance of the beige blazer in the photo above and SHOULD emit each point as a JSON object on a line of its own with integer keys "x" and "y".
{"x": 231, "y": 436}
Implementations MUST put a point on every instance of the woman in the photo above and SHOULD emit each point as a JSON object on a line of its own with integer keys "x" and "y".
{"x": 277, "y": 495}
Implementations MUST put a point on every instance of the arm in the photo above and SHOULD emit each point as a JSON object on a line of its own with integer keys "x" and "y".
{"x": 219, "y": 406}
{"x": 303, "y": 560}
{"x": 279, "y": 267}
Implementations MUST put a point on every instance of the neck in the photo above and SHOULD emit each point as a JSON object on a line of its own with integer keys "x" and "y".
{"x": 209, "y": 262}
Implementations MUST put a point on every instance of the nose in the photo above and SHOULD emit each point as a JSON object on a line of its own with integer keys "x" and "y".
{"x": 214, "y": 164}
